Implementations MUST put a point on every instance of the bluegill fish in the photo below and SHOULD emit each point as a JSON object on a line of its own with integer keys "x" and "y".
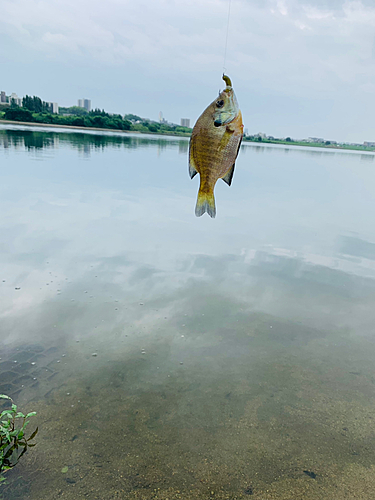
{"x": 214, "y": 146}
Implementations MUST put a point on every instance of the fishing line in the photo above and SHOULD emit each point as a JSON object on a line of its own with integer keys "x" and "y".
{"x": 226, "y": 38}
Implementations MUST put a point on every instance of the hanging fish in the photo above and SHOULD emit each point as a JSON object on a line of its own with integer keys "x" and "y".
{"x": 214, "y": 146}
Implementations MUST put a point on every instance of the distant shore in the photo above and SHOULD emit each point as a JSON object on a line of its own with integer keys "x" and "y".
{"x": 87, "y": 129}
{"x": 55, "y": 125}
{"x": 313, "y": 145}
{"x": 179, "y": 134}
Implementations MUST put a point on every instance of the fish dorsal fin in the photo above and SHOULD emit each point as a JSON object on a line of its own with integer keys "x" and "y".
{"x": 229, "y": 175}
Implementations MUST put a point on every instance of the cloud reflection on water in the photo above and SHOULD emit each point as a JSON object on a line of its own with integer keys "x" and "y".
{"x": 235, "y": 340}
{"x": 130, "y": 215}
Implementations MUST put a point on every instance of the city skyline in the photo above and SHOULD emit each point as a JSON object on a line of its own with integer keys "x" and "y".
{"x": 185, "y": 122}
{"x": 14, "y": 98}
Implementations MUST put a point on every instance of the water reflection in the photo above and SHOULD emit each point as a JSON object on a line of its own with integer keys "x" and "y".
{"x": 225, "y": 356}
{"x": 368, "y": 157}
{"x": 84, "y": 141}
{"x": 350, "y": 245}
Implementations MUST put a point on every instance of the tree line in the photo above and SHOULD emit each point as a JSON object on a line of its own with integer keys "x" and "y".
{"x": 89, "y": 120}
{"x": 34, "y": 104}
{"x": 35, "y": 110}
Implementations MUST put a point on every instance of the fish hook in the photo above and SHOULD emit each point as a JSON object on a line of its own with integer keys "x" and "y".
{"x": 227, "y": 80}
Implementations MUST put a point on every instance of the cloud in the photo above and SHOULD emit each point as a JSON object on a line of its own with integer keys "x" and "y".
{"x": 309, "y": 49}
{"x": 187, "y": 36}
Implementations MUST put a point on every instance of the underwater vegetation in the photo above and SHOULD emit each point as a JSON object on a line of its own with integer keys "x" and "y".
{"x": 13, "y": 441}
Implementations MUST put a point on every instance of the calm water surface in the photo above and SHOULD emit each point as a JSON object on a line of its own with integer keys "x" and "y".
{"x": 174, "y": 357}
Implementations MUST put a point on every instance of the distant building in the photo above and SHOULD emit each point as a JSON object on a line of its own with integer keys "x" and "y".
{"x": 261, "y": 135}
{"x": 315, "y": 140}
{"x": 85, "y": 103}
{"x": 370, "y": 144}
{"x": 3, "y": 97}
{"x": 14, "y": 98}
{"x": 53, "y": 107}
{"x": 161, "y": 118}
{"x": 185, "y": 122}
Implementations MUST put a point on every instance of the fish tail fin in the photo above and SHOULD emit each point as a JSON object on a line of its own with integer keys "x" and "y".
{"x": 205, "y": 203}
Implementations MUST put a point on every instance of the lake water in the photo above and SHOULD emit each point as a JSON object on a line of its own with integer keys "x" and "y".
{"x": 170, "y": 356}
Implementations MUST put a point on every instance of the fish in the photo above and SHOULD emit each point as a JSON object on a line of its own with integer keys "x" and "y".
{"x": 214, "y": 145}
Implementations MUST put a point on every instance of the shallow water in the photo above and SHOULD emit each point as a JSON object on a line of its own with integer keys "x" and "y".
{"x": 174, "y": 357}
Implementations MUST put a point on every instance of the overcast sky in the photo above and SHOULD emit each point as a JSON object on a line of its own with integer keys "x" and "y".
{"x": 299, "y": 68}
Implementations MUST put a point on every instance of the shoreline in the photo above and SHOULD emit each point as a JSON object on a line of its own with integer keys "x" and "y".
{"x": 88, "y": 129}
{"x": 245, "y": 141}
{"x": 311, "y": 145}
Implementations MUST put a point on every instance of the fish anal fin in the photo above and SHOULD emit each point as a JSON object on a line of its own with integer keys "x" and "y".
{"x": 229, "y": 175}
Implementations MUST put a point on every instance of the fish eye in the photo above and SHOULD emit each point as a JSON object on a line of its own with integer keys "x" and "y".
{"x": 220, "y": 104}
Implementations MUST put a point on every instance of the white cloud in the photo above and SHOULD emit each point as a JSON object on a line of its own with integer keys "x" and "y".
{"x": 291, "y": 48}
{"x": 178, "y": 34}
{"x": 282, "y": 8}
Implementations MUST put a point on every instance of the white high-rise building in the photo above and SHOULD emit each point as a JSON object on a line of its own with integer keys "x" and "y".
{"x": 14, "y": 97}
{"x": 53, "y": 107}
{"x": 85, "y": 103}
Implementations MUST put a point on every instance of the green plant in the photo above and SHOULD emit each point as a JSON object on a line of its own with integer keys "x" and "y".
{"x": 13, "y": 441}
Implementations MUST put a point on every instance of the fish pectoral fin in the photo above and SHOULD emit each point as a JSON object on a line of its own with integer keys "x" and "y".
{"x": 192, "y": 170}
{"x": 229, "y": 175}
